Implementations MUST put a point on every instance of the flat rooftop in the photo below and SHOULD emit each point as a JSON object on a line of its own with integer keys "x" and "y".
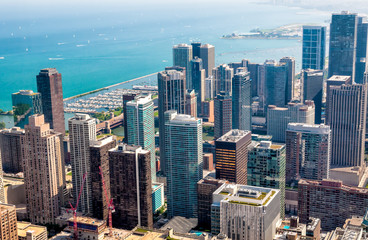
{"x": 24, "y": 227}
{"x": 233, "y": 135}
{"x": 339, "y": 78}
{"x": 88, "y": 220}
{"x": 309, "y": 128}
{"x": 268, "y": 145}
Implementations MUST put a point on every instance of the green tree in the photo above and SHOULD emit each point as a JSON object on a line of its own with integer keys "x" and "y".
{"x": 2, "y": 125}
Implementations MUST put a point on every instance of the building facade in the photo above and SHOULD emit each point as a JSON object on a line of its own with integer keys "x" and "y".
{"x": 222, "y": 114}
{"x": 290, "y": 65}
{"x": 8, "y": 222}
{"x": 314, "y": 47}
{"x": 184, "y": 152}
{"x": 276, "y": 83}
{"x": 207, "y": 54}
{"x": 222, "y": 78}
{"x": 182, "y": 55}
{"x": 198, "y": 77}
{"x": 25, "y": 103}
{"x": 242, "y": 101}
{"x": 10, "y": 149}
{"x": 191, "y": 103}
{"x": 361, "y": 51}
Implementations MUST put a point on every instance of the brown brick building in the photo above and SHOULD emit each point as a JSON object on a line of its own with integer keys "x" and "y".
{"x": 8, "y": 222}
{"x": 10, "y": 149}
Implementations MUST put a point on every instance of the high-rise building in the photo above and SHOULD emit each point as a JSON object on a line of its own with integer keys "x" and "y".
{"x": 253, "y": 69}
{"x": 205, "y": 188}
{"x": 361, "y": 51}
{"x": 171, "y": 96}
{"x": 333, "y": 82}
{"x": 198, "y": 78}
{"x": 184, "y": 153}
{"x": 50, "y": 86}
{"x": 191, "y": 103}
{"x": 208, "y": 111}
{"x": 232, "y": 156}
{"x": 208, "y": 82}
{"x": 348, "y": 108}
{"x": 312, "y": 89}
{"x": 223, "y": 114}
{"x": 2, "y": 190}
{"x": 8, "y": 222}
{"x": 43, "y": 171}
{"x": 25, "y": 103}
{"x": 290, "y": 65}
{"x": 127, "y": 98}
{"x": 330, "y": 201}
{"x": 196, "y": 46}
{"x": 266, "y": 168}
{"x": 182, "y": 54}
{"x": 82, "y": 130}
{"x": 241, "y": 102}
{"x": 10, "y": 149}
{"x": 343, "y": 43}
{"x": 245, "y": 212}
{"x": 222, "y": 77}
{"x": 278, "y": 118}
{"x": 131, "y": 186}
{"x": 276, "y": 83}
{"x": 314, "y": 47}
{"x": 308, "y": 151}
{"x": 207, "y": 54}
{"x": 141, "y": 127}
{"x": 29, "y": 231}
{"x": 99, "y": 154}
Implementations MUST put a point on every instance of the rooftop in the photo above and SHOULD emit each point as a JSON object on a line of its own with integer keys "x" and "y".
{"x": 6, "y": 207}
{"x": 24, "y": 227}
{"x": 140, "y": 100}
{"x": 102, "y": 141}
{"x": 328, "y": 183}
{"x": 309, "y": 128}
{"x": 268, "y": 145}
{"x": 89, "y": 221}
{"x": 128, "y": 149}
{"x": 339, "y": 78}
{"x": 234, "y": 135}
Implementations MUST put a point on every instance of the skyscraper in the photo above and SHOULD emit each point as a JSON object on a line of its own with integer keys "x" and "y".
{"x": 266, "y": 168}
{"x": 348, "y": 108}
{"x": 290, "y": 65}
{"x": 43, "y": 171}
{"x": 308, "y": 151}
{"x": 82, "y": 130}
{"x": 182, "y": 54}
{"x": 198, "y": 77}
{"x": 343, "y": 43}
{"x": 361, "y": 51}
{"x": 184, "y": 153}
{"x": 241, "y": 102}
{"x": 141, "y": 127}
{"x": 276, "y": 84}
{"x": 127, "y": 98}
{"x": 50, "y": 86}
{"x": 279, "y": 118}
{"x": 2, "y": 190}
{"x": 131, "y": 186}
{"x": 8, "y": 222}
{"x": 314, "y": 47}
{"x": 10, "y": 149}
{"x": 99, "y": 153}
{"x": 207, "y": 54}
{"x": 171, "y": 96}
{"x": 312, "y": 89}
{"x": 196, "y": 46}
{"x": 25, "y": 103}
{"x": 222, "y": 77}
{"x": 191, "y": 103}
{"x": 253, "y": 69}
{"x": 208, "y": 82}
{"x": 223, "y": 114}
{"x": 232, "y": 156}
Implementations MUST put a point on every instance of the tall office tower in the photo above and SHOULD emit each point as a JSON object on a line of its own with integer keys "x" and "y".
{"x": 223, "y": 114}
{"x": 127, "y": 98}
{"x": 312, "y": 89}
{"x": 8, "y": 222}
{"x": 171, "y": 96}
{"x": 275, "y": 83}
{"x": 241, "y": 102}
{"x": 290, "y": 65}
{"x": 208, "y": 110}
{"x": 131, "y": 186}
{"x": 196, "y": 46}
{"x": 222, "y": 77}
{"x": 191, "y": 103}
{"x": 182, "y": 54}
{"x": 141, "y": 127}
{"x": 245, "y": 212}
{"x": 232, "y": 156}
{"x": 361, "y": 51}
{"x": 99, "y": 153}
{"x": 308, "y": 151}
{"x": 253, "y": 69}
{"x": 198, "y": 78}
{"x": 243, "y": 64}
{"x": 343, "y": 43}
{"x": 207, "y": 54}
{"x": 25, "y": 103}
{"x": 314, "y": 47}
{"x": 82, "y": 130}
{"x": 205, "y": 188}
{"x": 333, "y": 82}
{"x": 43, "y": 170}
{"x": 50, "y": 86}
{"x": 2, "y": 190}
{"x": 348, "y": 110}
{"x": 266, "y": 168}
{"x": 208, "y": 82}
{"x": 10, "y": 149}
{"x": 331, "y": 201}
{"x": 279, "y": 118}
{"x": 184, "y": 154}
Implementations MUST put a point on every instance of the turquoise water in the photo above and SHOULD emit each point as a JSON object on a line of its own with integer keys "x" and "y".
{"x": 111, "y": 43}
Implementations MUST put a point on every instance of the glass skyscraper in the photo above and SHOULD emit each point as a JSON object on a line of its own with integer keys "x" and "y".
{"x": 314, "y": 47}
{"x": 241, "y": 101}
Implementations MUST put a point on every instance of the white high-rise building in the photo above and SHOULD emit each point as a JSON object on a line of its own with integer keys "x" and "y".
{"x": 82, "y": 130}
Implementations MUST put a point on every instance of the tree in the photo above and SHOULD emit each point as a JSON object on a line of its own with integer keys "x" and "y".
{"x": 2, "y": 125}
